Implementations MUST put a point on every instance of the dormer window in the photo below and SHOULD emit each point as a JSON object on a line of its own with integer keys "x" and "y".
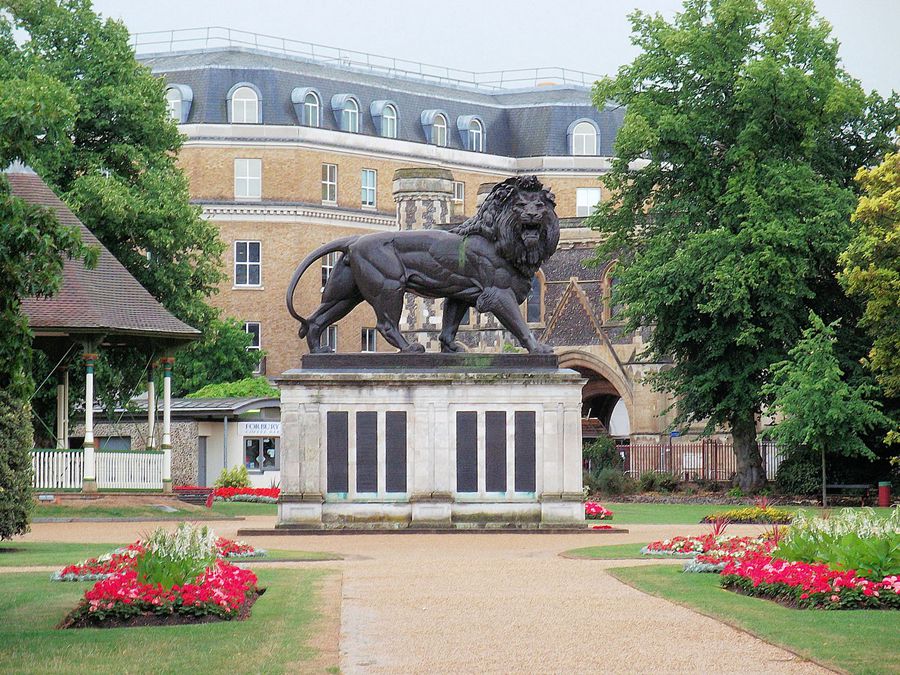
{"x": 244, "y": 104}
{"x": 178, "y": 102}
{"x": 307, "y": 106}
{"x": 346, "y": 112}
{"x": 439, "y": 131}
{"x": 385, "y": 118}
{"x": 471, "y": 132}
{"x": 583, "y": 135}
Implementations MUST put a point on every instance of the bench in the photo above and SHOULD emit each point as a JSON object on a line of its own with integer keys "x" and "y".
{"x": 864, "y": 487}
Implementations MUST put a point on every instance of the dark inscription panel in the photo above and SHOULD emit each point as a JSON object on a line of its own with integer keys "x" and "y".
{"x": 466, "y": 452}
{"x": 495, "y": 451}
{"x": 525, "y": 451}
{"x": 367, "y": 452}
{"x": 395, "y": 451}
{"x": 336, "y": 473}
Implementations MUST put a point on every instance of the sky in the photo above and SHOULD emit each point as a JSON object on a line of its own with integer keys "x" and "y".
{"x": 486, "y": 35}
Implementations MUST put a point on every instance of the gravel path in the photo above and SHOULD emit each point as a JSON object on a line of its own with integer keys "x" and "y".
{"x": 501, "y": 603}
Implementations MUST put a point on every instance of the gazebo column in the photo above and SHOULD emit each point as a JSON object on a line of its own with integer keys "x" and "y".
{"x": 89, "y": 477}
{"x": 62, "y": 408}
{"x": 151, "y": 407}
{"x": 167, "y": 364}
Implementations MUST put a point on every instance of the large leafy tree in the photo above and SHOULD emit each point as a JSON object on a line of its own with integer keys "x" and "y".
{"x": 119, "y": 175}
{"x": 732, "y": 194}
{"x": 35, "y": 110}
{"x": 872, "y": 266}
{"x": 820, "y": 413}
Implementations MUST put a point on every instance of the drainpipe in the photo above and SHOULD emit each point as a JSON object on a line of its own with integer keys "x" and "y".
{"x": 225, "y": 445}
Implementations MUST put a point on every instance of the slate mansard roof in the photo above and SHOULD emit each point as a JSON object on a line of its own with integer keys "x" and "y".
{"x": 106, "y": 300}
{"x": 518, "y": 123}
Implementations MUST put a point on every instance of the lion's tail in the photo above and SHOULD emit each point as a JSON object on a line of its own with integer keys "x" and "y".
{"x": 342, "y": 245}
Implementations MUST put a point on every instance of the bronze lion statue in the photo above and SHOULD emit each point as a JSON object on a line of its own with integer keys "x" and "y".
{"x": 486, "y": 262}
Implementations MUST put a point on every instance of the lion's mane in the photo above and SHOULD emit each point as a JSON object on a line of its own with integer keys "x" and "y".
{"x": 496, "y": 221}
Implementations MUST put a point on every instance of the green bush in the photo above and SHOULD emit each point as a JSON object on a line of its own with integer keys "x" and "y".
{"x": 15, "y": 465}
{"x": 249, "y": 387}
{"x": 177, "y": 557}
{"x": 602, "y": 454}
{"x": 799, "y": 475}
{"x": 235, "y": 477}
{"x": 658, "y": 481}
{"x": 609, "y": 482}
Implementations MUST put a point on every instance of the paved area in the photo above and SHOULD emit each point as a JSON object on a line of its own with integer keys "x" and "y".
{"x": 501, "y": 603}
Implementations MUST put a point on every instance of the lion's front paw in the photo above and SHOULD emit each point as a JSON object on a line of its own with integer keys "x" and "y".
{"x": 451, "y": 347}
{"x": 414, "y": 348}
{"x": 540, "y": 348}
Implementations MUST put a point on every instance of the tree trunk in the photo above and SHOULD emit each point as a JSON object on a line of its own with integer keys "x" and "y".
{"x": 750, "y": 475}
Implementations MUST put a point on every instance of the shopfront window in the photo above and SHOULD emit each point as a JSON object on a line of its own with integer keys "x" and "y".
{"x": 261, "y": 454}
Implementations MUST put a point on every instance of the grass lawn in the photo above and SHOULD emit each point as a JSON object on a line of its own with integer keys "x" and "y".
{"x": 609, "y": 552}
{"x": 276, "y": 638}
{"x": 232, "y": 509}
{"x": 30, "y": 553}
{"x": 857, "y": 641}
{"x": 676, "y": 514}
{"x": 183, "y": 511}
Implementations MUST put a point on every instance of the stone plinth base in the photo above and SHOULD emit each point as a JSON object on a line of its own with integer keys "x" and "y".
{"x": 384, "y": 441}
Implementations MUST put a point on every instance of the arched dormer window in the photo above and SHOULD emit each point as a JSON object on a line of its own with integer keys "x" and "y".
{"x": 384, "y": 115}
{"x": 244, "y": 104}
{"x": 434, "y": 124}
{"x": 471, "y": 132}
{"x": 307, "y": 106}
{"x": 611, "y": 312}
{"x": 178, "y": 102}
{"x": 583, "y": 137}
{"x": 346, "y": 112}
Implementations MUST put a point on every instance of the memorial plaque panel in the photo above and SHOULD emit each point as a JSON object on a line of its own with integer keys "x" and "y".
{"x": 367, "y": 452}
{"x": 495, "y": 451}
{"x": 467, "y": 452}
{"x": 525, "y": 451}
{"x": 336, "y": 478}
{"x": 395, "y": 450}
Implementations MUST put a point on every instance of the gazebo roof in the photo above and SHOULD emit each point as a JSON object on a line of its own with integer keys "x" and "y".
{"x": 104, "y": 302}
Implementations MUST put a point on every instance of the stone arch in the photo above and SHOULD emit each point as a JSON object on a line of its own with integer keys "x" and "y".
{"x": 604, "y": 380}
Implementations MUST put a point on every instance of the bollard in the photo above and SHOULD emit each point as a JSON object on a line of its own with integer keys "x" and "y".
{"x": 884, "y": 493}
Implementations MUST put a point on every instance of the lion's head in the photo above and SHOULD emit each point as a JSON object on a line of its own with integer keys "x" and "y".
{"x": 519, "y": 215}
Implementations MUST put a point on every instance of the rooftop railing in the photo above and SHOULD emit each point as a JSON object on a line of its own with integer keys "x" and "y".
{"x": 210, "y": 37}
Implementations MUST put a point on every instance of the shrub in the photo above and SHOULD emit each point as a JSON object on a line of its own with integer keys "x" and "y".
{"x": 235, "y": 477}
{"x": 249, "y": 387}
{"x": 799, "y": 475}
{"x": 15, "y": 465}
{"x": 658, "y": 481}
{"x": 602, "y": 454}
{"x": 610, "y": 482}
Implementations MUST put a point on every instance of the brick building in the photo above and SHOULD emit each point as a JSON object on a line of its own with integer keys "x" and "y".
{"x": 287, "y": 149}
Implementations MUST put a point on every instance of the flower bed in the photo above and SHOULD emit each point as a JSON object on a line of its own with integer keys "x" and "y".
{"x": 594, "y": 511}
{"x": 805, "y": 585}
{"x": 224, "y": 591}
{"x": 259, "y": 495}
{"x": 709, "y": 549}
{"x": 766, "y": 515}
{"x": 108, "y": 564}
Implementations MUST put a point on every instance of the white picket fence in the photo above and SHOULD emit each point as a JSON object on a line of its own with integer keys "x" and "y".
{"x": 57, "y": 469}
{"x": 116, "y": 469}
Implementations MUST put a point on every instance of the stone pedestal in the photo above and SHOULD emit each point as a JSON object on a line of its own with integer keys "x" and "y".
{"x": 430, "y": 441}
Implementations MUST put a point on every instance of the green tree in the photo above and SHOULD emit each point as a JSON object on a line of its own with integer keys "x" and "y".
{"x": 120, "y": 176}
{"x": 35, "y": 110}
{"x": 249, "y": 387}
{"x": 820, "y": 413}
{"x": 872, "y": 266}
{"x": 731, "y": 196}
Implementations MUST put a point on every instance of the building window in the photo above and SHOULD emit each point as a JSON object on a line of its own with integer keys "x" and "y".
{"x": 247, "y": 263}
{"x": 368, "y": 340}
{"x": 586, "y": 199}
{"x": 253, "y": 328}
{"x": 329, "y": 183}
{"x": 459, "y": 192}
{"x": 329, "y": 339}
{"x": 533, "y": 302}
{"x": 244, "y": 106}
{"x": 367, "y": 197}
{"x": 261, "y": 454}
{"x": 582, "y": 137}
{"x": 389, "y": 122}
{"x": 173, "y": 104}
{"x": 439, "y": 131}
{"x": 476, "y": 136}
{"x": 350, "y": 116}
{"x": 247, "y": 178}
{"x": 311, "y": 110}
{"x": 328, "y": 263}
